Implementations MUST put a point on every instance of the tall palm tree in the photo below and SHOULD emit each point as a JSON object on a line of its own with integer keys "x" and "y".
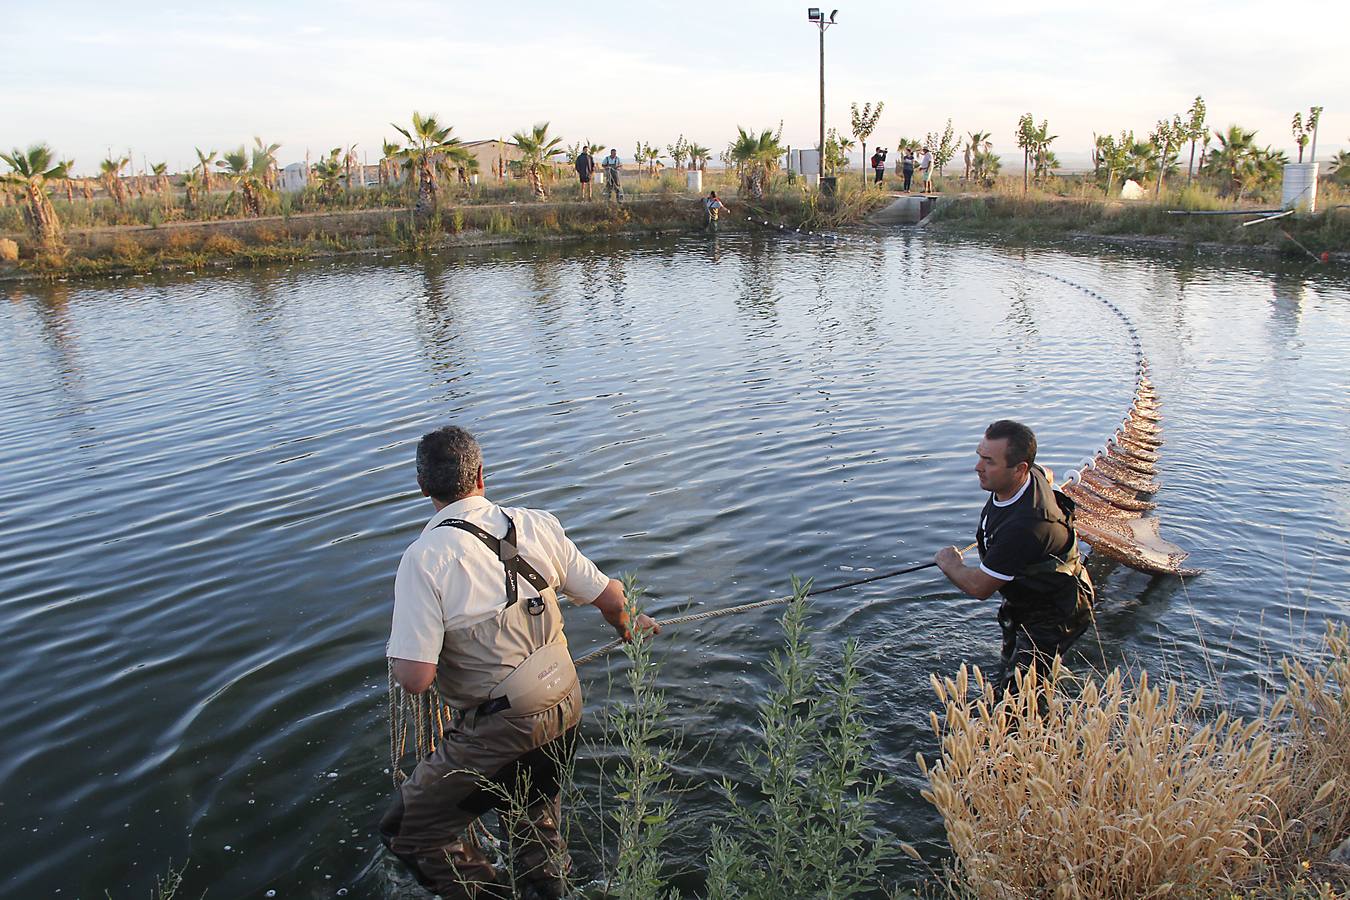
{"x": 110, "y": 173}
{"x": 29, "y": 174}
{"x": 204, "y": 161}
{"x": 248, "y": 177}
{"x": 426, "y": 142}
{"x": 757, "y": 158}
{"x": 537, "y": 149}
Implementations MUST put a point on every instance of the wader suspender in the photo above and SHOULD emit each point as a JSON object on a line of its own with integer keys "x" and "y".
{"x": 506, "y": 551}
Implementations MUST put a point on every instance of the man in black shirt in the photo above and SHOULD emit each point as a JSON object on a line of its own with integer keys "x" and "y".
{"x": 1028, "y": 552}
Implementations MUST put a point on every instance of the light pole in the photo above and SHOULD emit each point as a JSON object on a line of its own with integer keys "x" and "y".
{"x": 817, "y": 15}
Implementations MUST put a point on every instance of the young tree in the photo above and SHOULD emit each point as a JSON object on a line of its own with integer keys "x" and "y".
{"x": 944, "y": 147}
{"x": 1166, "y": 138}
{"x": 1236, "y": 161}
{"x": 388, "y": 162}
{"x": 1026, "y": 141}
{"x": 29, "y": 174}
{"x": 699, "y": 156}
{"x": 864, "y": 123}
{"x": 836, "y": 151}
{"x": 1314, "y": 116}
{"x": 679, "y": 152}
{"x": 1195, "y": 131}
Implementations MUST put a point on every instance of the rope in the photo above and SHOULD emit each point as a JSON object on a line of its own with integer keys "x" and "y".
{"x": 746, "y": 607}
{"x": 427, "y": 709}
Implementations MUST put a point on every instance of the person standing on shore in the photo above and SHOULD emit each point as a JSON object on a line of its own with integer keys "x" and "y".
{"x": 879, "y": 164}
{"x": 1028, "y": 552}
{"x": 907, "y": 168}
{"x": 476, "y": 612}
{"x": 612, "y": 166}
{"x": 926, "y": 169}
{"x": 585, "y": 164}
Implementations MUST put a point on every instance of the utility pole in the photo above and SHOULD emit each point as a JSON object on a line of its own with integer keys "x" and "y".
{"x": 816, "y": 15}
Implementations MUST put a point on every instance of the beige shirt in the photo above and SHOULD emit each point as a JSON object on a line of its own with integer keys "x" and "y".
{"x": 449, "y": 579}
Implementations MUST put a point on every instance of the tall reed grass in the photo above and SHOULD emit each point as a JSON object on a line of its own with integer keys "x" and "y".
{"x": 1119, "y": 790}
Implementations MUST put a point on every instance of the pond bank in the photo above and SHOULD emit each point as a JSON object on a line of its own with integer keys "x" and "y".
{"x": 1142, "y": 224}
{"x": 201, "y": 245}
{"x": 183, "y": 246}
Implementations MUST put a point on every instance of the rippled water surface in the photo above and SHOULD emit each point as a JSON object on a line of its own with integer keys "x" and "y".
{"x": 206, "y": 484}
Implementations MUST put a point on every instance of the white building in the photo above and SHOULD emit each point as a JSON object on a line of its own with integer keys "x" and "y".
{"x": 294, "y": 177}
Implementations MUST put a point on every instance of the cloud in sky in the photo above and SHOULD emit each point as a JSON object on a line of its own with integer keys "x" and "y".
{"x": 161, "y": 80}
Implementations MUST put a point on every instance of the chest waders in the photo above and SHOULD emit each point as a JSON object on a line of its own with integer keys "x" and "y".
{"x": 517, "y": 662}
{"x": 517, "y": 702}
{"x": 1048, "y": 604}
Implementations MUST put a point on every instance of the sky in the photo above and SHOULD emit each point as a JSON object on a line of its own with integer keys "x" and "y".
{"x": 157, "y": 80}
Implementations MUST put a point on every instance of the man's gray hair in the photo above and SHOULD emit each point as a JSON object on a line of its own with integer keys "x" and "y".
{"x": 447, "y": 463}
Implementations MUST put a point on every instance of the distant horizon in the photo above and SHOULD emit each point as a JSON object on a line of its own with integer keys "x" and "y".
{"x": 154, "y": 82}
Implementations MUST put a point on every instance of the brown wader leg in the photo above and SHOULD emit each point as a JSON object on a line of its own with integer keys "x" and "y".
{"x": 478, "y": 764}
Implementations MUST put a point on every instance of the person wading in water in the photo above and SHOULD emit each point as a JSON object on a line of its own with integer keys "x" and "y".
{"x": 1028, "y": 552}
{"x": 476, "y": 611}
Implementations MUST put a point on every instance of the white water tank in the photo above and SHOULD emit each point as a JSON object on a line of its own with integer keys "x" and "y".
{"x": 1300, "y": 187}
{"x": 694, "y": 179}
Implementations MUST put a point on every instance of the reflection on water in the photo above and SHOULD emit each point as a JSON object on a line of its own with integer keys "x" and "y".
{"x": 208, "y": 482}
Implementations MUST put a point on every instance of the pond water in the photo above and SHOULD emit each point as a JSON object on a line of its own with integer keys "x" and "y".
{"x": 207, "y": 483}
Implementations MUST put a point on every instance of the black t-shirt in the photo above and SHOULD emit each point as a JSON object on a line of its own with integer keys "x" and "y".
{"x": 1016, "y": 536}
{"x": 585, "y": 163}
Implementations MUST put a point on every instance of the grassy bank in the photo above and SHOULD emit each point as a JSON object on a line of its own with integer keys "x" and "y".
{"x": 200, "y": 245}
{"x": 1041, "y": 216}
{"x": 195, "y": 246}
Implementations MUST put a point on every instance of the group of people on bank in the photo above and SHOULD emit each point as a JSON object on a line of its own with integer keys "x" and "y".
{"x": 477, "y": 613}
{"x": 905, "y": 167}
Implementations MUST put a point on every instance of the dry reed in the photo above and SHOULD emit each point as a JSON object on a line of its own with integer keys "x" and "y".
{"x": 1109, "y": 790}
{"x": 1104, "y": 793}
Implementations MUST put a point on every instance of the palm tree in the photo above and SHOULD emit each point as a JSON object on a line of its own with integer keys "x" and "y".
{"x": 351, "y": 164}
{"x": 756, "y": 157}
{"x": 1340, "y": 167}
{"x": 699, "y": 156}
{"x": 67, "y": 181}
{"x": 462, "y": 163}
{"x": 266, "y": 156}
{"x": 426, "y": 142}
{"x": 977, "y": 150}
{"x": 249, "y": 177}
{"x": 110, "y": 173}
{"x": 328, "y": 171}
{"x": 1235, "y": 162}
{"x": 29, "y": 174}
{"x": 194, "y": 187}
{"x": 537, "y": 148}
{"x": 204, "y": 161}
{"x": 388, "y": 162}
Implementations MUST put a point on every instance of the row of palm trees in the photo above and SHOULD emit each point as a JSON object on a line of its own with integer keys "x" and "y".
{"x": 1237, "y": 165}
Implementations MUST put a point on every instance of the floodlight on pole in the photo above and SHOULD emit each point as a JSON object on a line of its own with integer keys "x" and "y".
{"x": 816, "y": 15}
